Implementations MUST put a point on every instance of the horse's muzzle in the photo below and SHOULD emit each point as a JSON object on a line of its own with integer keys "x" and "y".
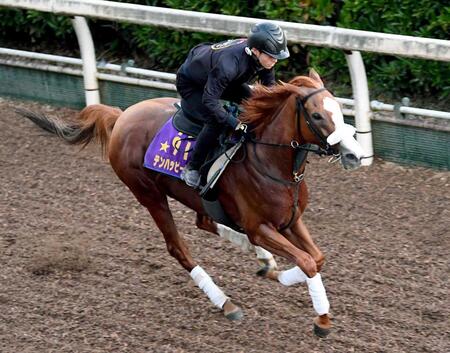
{"x": 351, "y": 153}
{"x": 350, "y": 160}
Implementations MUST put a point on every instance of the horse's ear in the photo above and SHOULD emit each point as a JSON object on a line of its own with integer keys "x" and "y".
{"x": 315, "y": 76}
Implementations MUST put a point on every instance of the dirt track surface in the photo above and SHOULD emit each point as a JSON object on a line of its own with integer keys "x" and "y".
{"x": 83, "y": 267}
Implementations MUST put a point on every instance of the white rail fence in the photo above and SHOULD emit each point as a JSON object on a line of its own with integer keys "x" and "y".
{"x": 165, "y": 81}
{"x": 352, "y": 41}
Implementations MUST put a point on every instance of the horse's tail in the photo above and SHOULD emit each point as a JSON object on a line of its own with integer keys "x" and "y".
{"x": 95, "y": 122}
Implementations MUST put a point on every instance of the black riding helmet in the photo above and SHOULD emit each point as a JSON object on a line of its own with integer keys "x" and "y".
{"x": 270, "y": 39}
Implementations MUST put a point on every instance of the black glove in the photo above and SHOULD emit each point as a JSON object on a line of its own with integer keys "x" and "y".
{"x": 232, "y": 121}
{"x": 232, "y": 108}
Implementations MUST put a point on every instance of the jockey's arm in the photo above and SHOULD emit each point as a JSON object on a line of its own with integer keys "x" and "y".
{"x": 218, "y": 80}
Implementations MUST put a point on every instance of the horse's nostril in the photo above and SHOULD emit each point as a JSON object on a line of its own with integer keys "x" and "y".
{"x": 316, "y": 116}
{"x": 351, "y": 157}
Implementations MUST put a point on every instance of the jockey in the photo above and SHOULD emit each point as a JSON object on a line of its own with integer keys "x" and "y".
{"x": 223, "y": 71}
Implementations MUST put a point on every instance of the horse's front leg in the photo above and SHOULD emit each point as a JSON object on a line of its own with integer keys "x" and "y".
{"x": 299, "y": 235}
{"x": 306, "y": 269}
{"x": 267, "y": 237}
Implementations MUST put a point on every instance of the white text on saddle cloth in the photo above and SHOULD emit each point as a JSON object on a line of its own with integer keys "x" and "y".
{"x": 343, "y": 132}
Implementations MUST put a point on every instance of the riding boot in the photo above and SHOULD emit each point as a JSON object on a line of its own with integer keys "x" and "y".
{"x": 206, "y": 140}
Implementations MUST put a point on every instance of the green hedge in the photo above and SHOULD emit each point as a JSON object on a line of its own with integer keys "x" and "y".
{"x": 164, "y": 49}
{"x": 399, "y": 76}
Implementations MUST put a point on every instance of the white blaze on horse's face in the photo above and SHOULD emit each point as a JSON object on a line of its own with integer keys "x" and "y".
{"x": 351, "y": 150}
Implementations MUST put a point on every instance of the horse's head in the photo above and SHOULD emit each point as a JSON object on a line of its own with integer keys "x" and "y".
{"x": 323, "y": 122}
{"x": 308, "y": 112}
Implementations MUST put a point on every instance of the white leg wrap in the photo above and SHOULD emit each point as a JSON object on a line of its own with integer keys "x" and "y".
{"x": 292, "y": 276}
{"x": 318, "y": 294}
{"x": 263, "y": 254}
{"x": 206, "y": 284}
{"x": 244, "y": 244}
{"x": 237, "y": 238}
{"x": 315, "y": 287}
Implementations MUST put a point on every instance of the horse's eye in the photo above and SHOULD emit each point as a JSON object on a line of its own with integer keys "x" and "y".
{"x": 317, "y": 116}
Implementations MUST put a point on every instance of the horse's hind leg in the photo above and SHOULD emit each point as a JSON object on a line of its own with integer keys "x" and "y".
{"x": 178, "y": 248}
{"x": 266, "y": 262}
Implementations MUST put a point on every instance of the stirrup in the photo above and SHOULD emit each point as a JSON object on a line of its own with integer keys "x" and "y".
{"x": 191, "y": 177}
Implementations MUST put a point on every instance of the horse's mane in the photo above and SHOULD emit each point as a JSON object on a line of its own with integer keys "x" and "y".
{"x": 260, "y": 108}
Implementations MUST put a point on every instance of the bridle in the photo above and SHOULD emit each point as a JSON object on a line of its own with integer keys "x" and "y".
{"x": 301, "y": 108}
{"x": 300, "y": 151}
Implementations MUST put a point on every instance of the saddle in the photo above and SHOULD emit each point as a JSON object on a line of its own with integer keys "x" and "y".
{"x": 168, "y": 153}
{"x": 186, "y": 123}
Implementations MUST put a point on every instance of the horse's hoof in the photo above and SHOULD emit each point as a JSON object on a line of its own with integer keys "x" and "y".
{"x": 270, "y": 274}
{"x": 320, "y": 331}
{"x": 265, "y": 266}
{"x": 322, "y": 326}
{"x": 232, "y": 312}
{"x": 262, "y": 272}
{"x": 234, "y": 316}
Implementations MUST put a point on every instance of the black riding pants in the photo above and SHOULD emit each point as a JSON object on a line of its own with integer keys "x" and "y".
{"x": 191, "y": 103}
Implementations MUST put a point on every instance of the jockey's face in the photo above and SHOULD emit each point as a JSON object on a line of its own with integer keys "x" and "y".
{"x": 265, "y": 60}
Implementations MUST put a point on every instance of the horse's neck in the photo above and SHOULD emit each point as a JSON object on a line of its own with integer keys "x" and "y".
{"x": 282, "y": 125}
{"x": 281, "y": 130}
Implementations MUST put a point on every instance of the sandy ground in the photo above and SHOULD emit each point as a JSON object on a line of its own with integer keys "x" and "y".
{"x": 83, "y": 267}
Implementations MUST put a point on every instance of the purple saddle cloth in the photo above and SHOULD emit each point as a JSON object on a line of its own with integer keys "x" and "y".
{"x": 170, "y": 150}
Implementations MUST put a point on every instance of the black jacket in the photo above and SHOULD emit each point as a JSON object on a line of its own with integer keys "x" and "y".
{"x": 215, "y": 68}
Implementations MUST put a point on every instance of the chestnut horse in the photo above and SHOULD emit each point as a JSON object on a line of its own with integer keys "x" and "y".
{"x": 265, "y": 194}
